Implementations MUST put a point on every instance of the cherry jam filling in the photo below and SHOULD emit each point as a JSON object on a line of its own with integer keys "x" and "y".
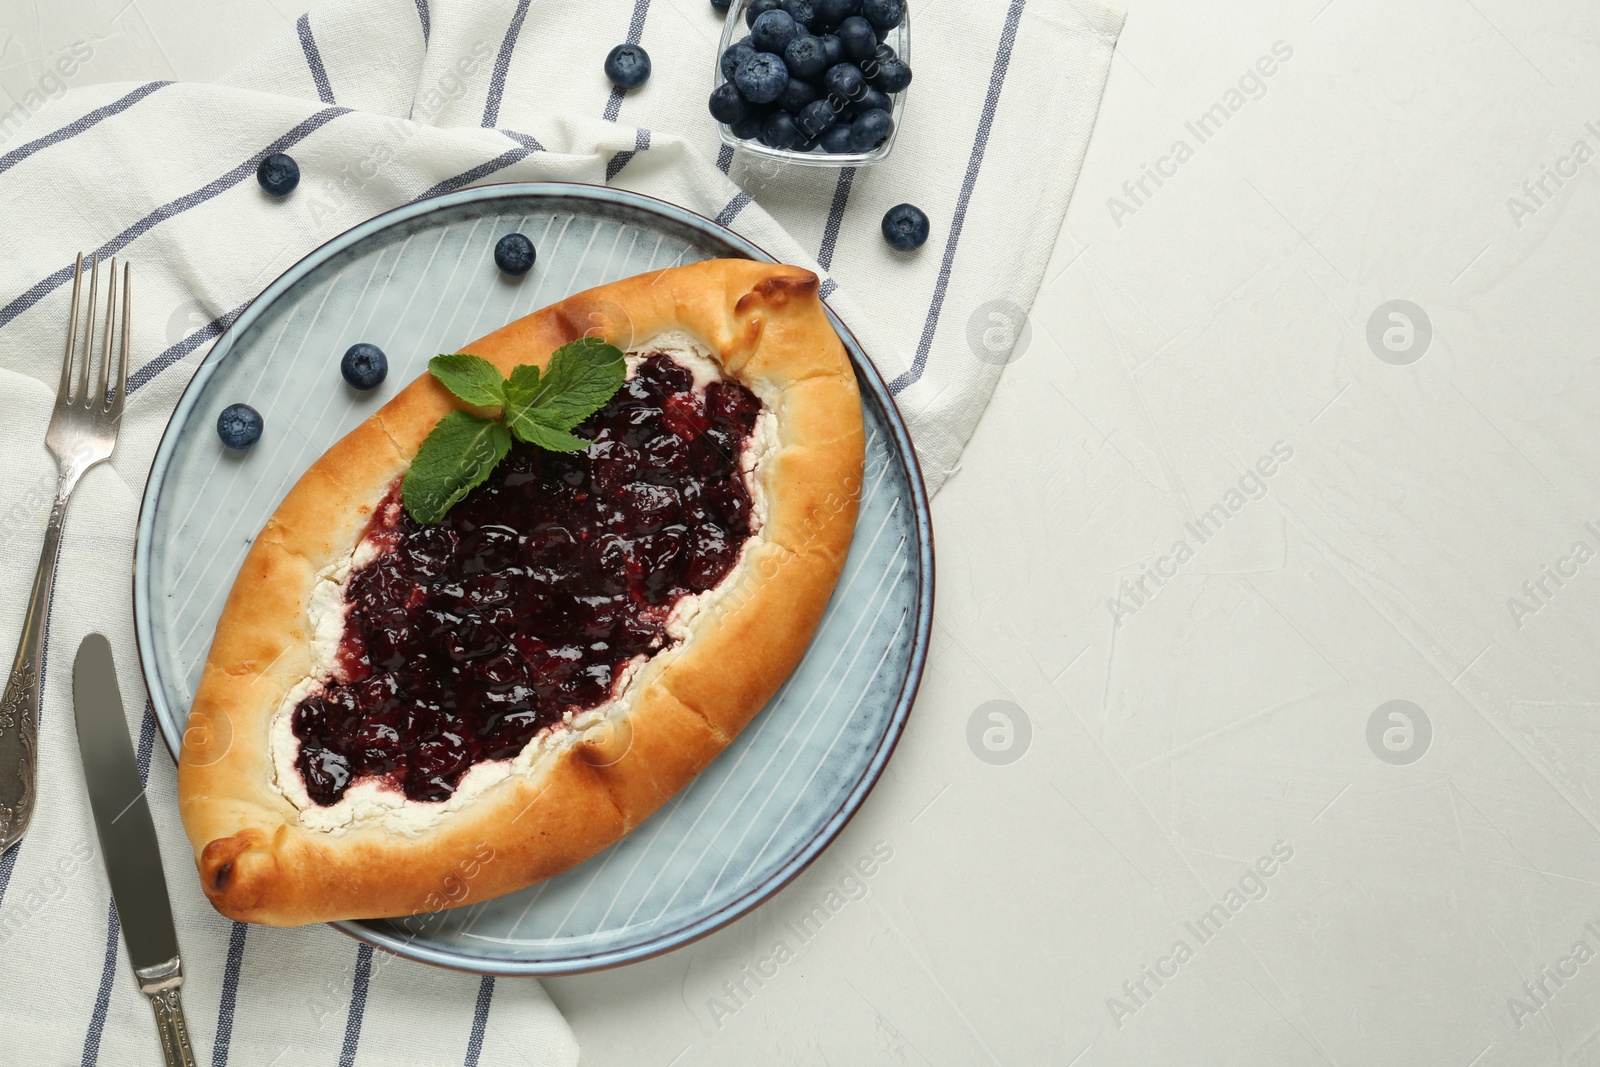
{"x": 466, "y": 638}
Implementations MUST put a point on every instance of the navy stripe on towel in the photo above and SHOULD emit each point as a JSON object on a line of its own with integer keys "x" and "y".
{"x": 147, "y": 741}
{"x": 102, "y": 1000}
{"x": 526, "y": 141}
{"x": 358, "y": 1006}
{"x": 48, "y": 284}
{"x": 830, "y": 232}
{"x": 214, "y": 328}
{"x": 8, "y": 863}
{"x": 641, "y": 143}
{"x": 980, "y": 144}
{"x": 641, "y": 9}
{"x": 319, "y": 73}
{"x": 725, "y": 158}
{"x": 502, "y": 64}
{"x": 482, "y": 170}
{"x": 731, "y": 212}
{"x": 230, "y": 995}
{"x": 480, "y": 1021}
{"x": 78, "y": 125}
{"x": 422, "y": 13}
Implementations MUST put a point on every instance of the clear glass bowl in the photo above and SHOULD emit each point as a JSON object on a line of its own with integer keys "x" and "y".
{"x": 733, "y": 28}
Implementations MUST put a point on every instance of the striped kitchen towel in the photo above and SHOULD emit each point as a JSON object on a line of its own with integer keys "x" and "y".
{"x": 381, "y": 102}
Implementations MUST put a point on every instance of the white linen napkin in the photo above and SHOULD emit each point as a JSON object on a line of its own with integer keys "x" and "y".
{"x": 380, "y": 102}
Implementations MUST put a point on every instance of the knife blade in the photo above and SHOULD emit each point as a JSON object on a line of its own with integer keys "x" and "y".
{"x": 128, "y": 842}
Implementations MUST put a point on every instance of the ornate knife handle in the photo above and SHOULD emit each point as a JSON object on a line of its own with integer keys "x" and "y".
{"x": 174, "y": 1032}
{"x": 19, "y": 707}
{"x": 160, "y": 983}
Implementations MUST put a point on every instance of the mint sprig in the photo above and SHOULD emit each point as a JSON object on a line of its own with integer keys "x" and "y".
{"x": 540, "y": 408}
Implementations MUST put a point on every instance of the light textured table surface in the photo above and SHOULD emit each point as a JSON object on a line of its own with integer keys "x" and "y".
{"x": 1225, "y": 507}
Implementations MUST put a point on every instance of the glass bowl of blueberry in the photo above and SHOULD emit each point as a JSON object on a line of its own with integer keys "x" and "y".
{"x": 818, "y": 83}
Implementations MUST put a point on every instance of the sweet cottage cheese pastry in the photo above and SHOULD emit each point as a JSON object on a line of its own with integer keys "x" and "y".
{"x": 533, "y": 674}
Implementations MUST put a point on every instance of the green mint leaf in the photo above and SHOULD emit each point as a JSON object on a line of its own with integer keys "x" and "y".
{"x": 521, "y": 384}
{"x": 456, "y": 458}
{"x": 472, "y": 378}
{"x": 579, "y": 379}
{"x": 582, "y": 376}
{"x": 533, "y": 426}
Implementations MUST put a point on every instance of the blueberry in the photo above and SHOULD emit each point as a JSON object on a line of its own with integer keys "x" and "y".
{"x": 870, "y": 100}
{"x": 836, "y": 141}
{"x": 514, "y": 254}
{"x": 799, "y": 10}
{"x": 832, "y": 12}
{"x": 805, "y": 57}
{"x": 720, "y": 5}
{"x": 737, "y": 53}
{"x": 888, "y": 72}
{"x": 364, "y": 365}
{"x": 833, "y": 48}
{"x": 781, "y": 132}
{"x": 727, "y": 105}
{"x": 884, "y": 15}
{"x": 773, "y": 31}
{"x": 796, "y": 95}
{"x": 817, "y": 118}
{"x": 881, "y": 53}
{"x": 750, "y": 127}
{"x": 278, "y": 174}
{"x": 239, "y": 426}
{"x": 905, "y": 227}
{"x": 762, "y": 78}
{"x": 844, "y": 81}
{"x": 628, "y": 66}
{"x": 758, "y": 8}
{"x": 870, "y": 130}
{"x": 807, "y": 145}
{"x": 859, "y": 41}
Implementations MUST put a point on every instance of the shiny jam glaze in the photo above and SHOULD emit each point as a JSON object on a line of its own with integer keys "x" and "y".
{"x": 466, "y": 638}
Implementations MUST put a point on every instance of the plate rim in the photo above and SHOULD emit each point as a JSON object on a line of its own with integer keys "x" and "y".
{"x": 866, "y": 371}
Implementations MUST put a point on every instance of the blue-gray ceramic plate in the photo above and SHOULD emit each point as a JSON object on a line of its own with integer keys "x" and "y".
{"x": 421, "y": 280}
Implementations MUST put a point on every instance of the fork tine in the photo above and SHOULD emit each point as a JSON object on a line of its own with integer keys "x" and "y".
{"x": 64, "y": 391}
{"x": 81, "y": 394}
{"x": 99, "y": 399}
{"x": 122, "y": 360}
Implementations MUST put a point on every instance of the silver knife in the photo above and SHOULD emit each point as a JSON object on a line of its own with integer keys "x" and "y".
{"x": 128, "y": 843}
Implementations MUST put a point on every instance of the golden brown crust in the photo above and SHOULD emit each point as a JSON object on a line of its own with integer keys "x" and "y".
{"x": 766, "y": 326}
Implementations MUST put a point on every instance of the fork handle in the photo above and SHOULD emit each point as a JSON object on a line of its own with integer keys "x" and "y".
{"x": 19, "y": 708}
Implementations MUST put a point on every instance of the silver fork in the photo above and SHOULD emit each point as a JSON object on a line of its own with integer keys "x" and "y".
{"x": 83, "y": 432}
